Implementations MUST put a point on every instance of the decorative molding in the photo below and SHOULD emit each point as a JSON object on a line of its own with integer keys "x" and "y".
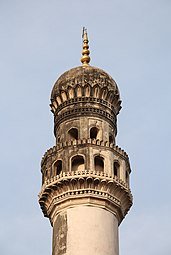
{"x": 88, "y": 173}
{"x": 84, "y": 111}
{"x": 75, "y": 100}
{"x": 86, "y": 184}
{"x": 81, "y": 76}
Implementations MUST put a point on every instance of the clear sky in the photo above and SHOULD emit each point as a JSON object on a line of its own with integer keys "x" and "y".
{"x": 39, "y": 40}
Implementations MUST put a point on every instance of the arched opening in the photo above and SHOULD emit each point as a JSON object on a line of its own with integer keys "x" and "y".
{"x": 73, "y": 134}
{"x": 87, "y": 91}
{"x": 64, "y": 96}
{"x": 127, "y": 177}
{"x": 93, "y": 132}
{"x": 111, "y": 138}
{"x": 71, "y": 92}
{"x": 96, "y": 91}
{"x": 59, "y": 101}
{"x": 99, "y": 163}
{"x": 47, "y": 173}
{"x": 104, "y": 93}
{"x": 58, "y": 139}
{"x": 116, "y": 168}
{"x": 58, "y": 167}
{"x": 77, "y": 163}
{"x": 79, "y": 92}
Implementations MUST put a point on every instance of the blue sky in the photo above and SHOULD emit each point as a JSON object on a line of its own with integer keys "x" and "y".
{"x": 130, "y": 39}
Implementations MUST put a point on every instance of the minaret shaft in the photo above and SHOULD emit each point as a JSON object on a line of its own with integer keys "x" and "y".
{"x": 85, "y": 230}
{"x": 85, "y": 176}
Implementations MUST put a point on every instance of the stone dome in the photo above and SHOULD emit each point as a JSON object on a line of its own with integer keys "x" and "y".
{"x": 85, "y": 81}
{"x": 82, "y": 76}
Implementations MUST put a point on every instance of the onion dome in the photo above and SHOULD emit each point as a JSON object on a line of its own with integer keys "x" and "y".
{"x": 86, "y": 88}
{"x": 86, "y": 81}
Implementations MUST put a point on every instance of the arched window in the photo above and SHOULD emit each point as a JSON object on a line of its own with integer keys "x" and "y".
{"x": 127, "y": 177}
{"x": 47, "y": 173}
{"x": 93, "y": 132}
{"x": 116, "y": 168}
{"x": 111, "y": 138}
{"x": 58, "y": 167}
{"x": 73, "y": 134}
{"x": 99, "y": 163}
{"x": 58, "y": 139}
{"x": 77, "y": 163}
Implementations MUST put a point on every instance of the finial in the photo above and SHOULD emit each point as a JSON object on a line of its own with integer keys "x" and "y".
{"x": 85, "y": 52}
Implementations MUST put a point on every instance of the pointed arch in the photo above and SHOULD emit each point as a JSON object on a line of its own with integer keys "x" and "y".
{"x": 111, "y": 97}
{"x": 96, "y": 91}
{"x": 87, "y": 90}
{"x": 71, "y": 92}
{"x": 58, "y": 99}
{"x": 78, "y": 91}
{"x": 104, "y": 93}
{"x": 64, "y": 96}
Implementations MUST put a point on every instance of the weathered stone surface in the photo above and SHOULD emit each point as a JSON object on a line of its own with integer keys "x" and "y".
{"x": 82, "y": 76}
{"x": 91, "y": 231}
{"x": 85, "y": 177}
{"x": 60, "y": 229}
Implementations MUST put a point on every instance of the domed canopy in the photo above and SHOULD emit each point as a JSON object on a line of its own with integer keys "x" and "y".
{"x": 83, "y": 76}
{"x": 86, "y": 82}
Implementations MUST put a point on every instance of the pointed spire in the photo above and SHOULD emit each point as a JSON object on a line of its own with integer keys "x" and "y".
{"x": 85, "y": 59}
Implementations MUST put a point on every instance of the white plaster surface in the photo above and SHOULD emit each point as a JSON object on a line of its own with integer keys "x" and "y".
{"x": 91, "y": 231}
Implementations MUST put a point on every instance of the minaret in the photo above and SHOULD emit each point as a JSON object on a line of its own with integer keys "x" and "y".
{"x": 85, "y": 176}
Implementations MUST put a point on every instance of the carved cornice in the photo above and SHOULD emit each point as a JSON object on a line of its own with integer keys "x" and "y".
{"x": 85, "y": 187}
{"x": 85, "y": 111}
{"x": 88, "y": 173}
{"x": 85, "y": 100}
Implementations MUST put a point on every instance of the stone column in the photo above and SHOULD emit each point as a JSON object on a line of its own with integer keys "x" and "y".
{"x": 85, "y": 230}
